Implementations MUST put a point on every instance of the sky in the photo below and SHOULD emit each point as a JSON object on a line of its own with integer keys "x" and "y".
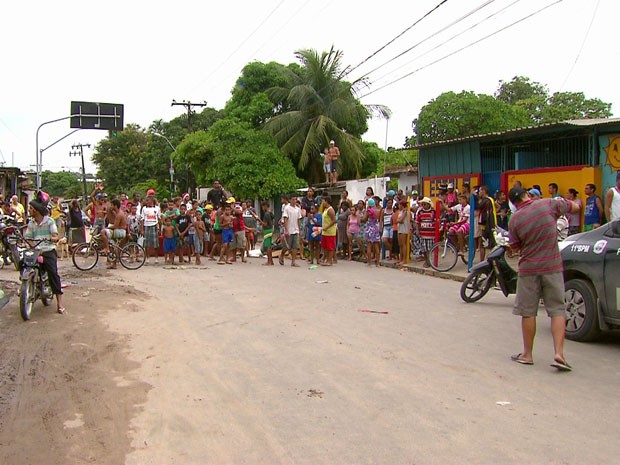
{"x": 144, "y": 54}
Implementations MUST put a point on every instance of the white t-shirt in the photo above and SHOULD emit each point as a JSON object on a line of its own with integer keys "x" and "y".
{"x": 293, "y": 214}
{"x": 150, "y": 215}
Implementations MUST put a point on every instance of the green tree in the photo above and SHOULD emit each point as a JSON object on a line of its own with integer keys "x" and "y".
{"x": 563, "y": 106}
{"x": 452, "y": 116}
{"x": 319, "y": 105}
{"x": 124, "y": 160}
{"x": 247, "y": 161}
{"x": 545, "y": 108}
{"x": 249, "y": 101}
{"x": 62, "y": 183}
{"x": 522, "y": 92}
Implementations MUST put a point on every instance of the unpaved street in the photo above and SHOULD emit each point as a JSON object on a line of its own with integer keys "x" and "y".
{"x": 247, "y": 364}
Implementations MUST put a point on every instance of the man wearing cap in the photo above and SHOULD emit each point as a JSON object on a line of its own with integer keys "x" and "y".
{"x": 612, "y": 201}
{"x": 533, "y": 231}
{"x": 43, "y": 229}
{"x": 534, "y": 194}
{"x": 334, "y": 155}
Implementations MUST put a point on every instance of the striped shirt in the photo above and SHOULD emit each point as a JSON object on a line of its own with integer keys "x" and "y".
{"x": 426, "y": 223}
{"x": 42, "y": 231}
{"x": 532, "y": 228}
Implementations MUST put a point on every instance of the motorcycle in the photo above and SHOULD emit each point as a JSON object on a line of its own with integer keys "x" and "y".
{"x": 10, "y": 238}
{"x": 494, "y": 271}
{"x": 34, "y": 281}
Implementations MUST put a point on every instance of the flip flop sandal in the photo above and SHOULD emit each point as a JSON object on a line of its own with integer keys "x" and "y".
{"x": 561, "y": 365}
{"x": 516, "y": 358}
{"x": 61, "y": 310}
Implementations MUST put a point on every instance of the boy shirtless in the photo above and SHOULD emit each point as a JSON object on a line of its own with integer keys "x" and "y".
{"x": 170, "y": 241}
{"x": 226, "y": 224}
{"x": 118, "y": 230}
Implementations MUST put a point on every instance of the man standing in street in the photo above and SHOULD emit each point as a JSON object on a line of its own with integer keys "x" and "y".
{"x": 612, "y": 201}
{"x": 533, "y": 231}
{"x": 292, "y": 220}
{"x": 217, "y": 195}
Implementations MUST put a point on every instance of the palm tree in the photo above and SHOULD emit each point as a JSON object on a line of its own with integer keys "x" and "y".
{"x": 319, "y": 106}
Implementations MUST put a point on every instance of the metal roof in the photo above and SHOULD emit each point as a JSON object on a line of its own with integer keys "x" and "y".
{"x": 561, "y": 125}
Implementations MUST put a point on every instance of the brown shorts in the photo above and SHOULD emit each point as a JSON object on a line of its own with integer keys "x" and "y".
{"x": 530, "y": 289}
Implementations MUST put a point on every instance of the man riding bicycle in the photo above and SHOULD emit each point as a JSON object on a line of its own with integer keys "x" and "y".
{"x": 117, "y": 231}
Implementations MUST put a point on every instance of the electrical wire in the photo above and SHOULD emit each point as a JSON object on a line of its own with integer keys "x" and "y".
{"x": 453, "y": 23}
{"x": 572, "y": 68}
{"x": 395, "y": 38}
{"x": 450, "y": 39}
{"x": 217, "y": 68}
{"x": 462, "y": 48}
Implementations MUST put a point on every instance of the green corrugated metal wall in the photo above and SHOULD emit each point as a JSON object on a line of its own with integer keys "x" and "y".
{"x": 462, "y": 158}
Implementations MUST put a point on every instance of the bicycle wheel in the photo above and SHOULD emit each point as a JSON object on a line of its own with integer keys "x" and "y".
{"x": 85, "y": 256}
{"x": 442, "y": 256}
{"x": 132, "y": 256}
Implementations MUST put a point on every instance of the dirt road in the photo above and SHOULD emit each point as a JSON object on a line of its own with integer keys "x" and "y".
{"x": 246, "y": 364}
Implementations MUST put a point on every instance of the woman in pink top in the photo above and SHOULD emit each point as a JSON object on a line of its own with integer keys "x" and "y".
{"x": 354, "y": 231}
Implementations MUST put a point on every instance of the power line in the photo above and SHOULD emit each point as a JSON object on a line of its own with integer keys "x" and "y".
{"x": 217, "y": 68}
{"x": 570, "y": 71}
{"x": 488, "y": 2}
{"x": 450, "y": 39}
{"x": 395, "y": 38}
{"x": 461, "y": 49}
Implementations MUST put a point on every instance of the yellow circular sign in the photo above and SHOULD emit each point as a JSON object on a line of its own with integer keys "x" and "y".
{"x": 613, "y": 152}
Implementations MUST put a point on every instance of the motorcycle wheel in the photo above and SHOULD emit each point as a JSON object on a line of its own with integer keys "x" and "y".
{"x": 15, "y": 257}
{"x": 132, "y": 256}
{"x": 477, "y": 284}
{"x": 26, "y": 299}
{"x": 45, "y": 287}
{"x": 85, "y": 256}
{"x": 442, "y": 256}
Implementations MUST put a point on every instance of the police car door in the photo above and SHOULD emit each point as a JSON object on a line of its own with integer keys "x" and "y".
{"x": 612, "y": 269}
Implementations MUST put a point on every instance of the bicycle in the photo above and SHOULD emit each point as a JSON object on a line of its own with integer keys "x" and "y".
{"x": 86, "y": 254}
{"x": 444, "y": 254}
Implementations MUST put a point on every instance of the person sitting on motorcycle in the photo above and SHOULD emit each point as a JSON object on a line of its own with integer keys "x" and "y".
{"x": 43, "y": 228}
{"x": 460, "y": 229}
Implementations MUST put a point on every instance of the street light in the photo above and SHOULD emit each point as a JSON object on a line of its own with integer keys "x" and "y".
{"x": 171, "y": 169}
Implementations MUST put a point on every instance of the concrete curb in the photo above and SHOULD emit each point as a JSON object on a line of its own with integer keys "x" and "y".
{"x": 425, "y": 271}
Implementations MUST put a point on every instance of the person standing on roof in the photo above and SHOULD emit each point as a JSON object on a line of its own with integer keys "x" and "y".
{"x": 334, "y": 155}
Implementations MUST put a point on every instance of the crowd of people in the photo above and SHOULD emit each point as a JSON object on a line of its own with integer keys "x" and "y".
{"x": 397, "y": 227}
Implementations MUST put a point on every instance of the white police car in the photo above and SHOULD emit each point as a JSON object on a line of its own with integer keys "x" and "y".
{"x": 592, "y": 282}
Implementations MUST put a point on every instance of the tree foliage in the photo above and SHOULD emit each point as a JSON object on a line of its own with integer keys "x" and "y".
{"x": 517, "y": 103}
{"x": 245, "y": 160}
{"x": 452, "y": 116}
{"x": 63, "y": 183}
{"x": 125, "y": 159}
{"x": 319, "y": 106}
{"x": 544, "y": 107}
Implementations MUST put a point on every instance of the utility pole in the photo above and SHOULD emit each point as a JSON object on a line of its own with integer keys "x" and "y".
{"x": 189, "y": 106}
{"x": 75, "y": 152}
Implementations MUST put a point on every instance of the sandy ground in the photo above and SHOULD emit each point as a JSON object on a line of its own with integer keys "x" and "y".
{"x": 246, "y": 364}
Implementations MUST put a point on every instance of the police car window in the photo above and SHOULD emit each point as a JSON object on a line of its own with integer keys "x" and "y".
{"x": 614, "y": 230}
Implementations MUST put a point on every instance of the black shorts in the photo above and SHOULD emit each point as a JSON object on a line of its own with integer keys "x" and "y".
{"x": 334, "y": 166}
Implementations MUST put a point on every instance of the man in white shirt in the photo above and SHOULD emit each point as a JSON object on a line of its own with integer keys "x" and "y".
{"x": 292, "y": 220}
{"x": 150, "y": 215}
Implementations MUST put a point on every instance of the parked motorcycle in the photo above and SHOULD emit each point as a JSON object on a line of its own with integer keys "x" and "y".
{"x": 10, "y": 238}
{"x": 34, "y": 281}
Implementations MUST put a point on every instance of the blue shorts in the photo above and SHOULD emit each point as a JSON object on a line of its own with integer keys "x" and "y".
{"x": 170, "y": 245}
{"x": 227, "y": 236}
